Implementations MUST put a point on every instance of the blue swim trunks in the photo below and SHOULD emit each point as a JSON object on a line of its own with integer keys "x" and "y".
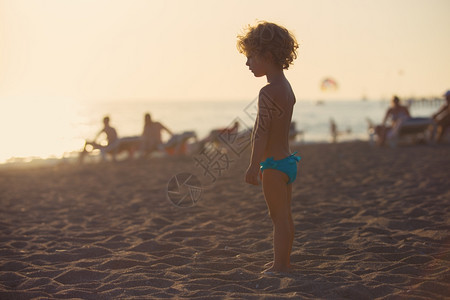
{"x": 286, "y": 165}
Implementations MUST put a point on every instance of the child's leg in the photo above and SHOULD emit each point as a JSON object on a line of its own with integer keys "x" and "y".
{"x": 291, "y": 222}
{"x": 277, "y": 199}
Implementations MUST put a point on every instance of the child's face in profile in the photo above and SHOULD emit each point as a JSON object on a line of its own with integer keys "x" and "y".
{"x": 257, "y": 64}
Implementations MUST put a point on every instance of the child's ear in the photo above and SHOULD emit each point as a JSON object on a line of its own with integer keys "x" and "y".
{"x": 268, "y": 56}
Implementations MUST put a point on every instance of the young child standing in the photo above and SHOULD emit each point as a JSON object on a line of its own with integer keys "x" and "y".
{"x": 270, "y": 49}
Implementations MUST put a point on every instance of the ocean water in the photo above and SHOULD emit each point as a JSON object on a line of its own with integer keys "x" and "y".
{"x": 59, "y": 130}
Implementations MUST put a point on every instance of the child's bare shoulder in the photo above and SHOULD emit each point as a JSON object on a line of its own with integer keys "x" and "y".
{"x": 278, "y": 91}
{"x": 268, "y": 90}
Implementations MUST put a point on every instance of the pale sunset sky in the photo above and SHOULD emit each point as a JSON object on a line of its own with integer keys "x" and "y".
{"x": 97, "y": 50}
{"x": 59, "y": 55}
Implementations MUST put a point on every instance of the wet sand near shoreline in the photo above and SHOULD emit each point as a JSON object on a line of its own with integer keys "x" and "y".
{"x": 370, "y": 223}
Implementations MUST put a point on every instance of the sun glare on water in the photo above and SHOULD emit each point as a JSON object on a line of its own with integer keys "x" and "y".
{"x": 39, "y": 128}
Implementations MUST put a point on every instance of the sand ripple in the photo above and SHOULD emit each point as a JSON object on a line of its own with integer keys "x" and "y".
{"x": 370, "y": 224}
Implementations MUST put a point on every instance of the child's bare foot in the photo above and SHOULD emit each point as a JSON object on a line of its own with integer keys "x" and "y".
{"x": 274, "y": 271}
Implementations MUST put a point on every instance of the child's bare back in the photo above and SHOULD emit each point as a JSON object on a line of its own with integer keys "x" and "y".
{"x": 282, "y": 99}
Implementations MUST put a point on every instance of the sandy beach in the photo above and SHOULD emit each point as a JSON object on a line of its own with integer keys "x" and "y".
{"x": 371, "y": 223}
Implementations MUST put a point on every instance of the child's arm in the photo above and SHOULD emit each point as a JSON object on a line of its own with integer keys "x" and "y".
{"x": 259, "y": 143}
{"x": 260, "y": 137}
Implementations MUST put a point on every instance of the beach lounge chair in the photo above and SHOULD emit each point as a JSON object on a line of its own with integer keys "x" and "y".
{"x": 411, "y": 131}
{"x": 126, "y": 144}
{"x": 178, "y": 144}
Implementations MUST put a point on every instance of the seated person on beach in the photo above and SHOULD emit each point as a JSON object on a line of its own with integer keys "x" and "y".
{"x": 442, "y": 119}
{"x": 111, "y": 139}
{"x": 213, "y": 136}
{"x": 178, "y": 143}
{"x": 397, "y": 114}
{"x": 151, "y": 139}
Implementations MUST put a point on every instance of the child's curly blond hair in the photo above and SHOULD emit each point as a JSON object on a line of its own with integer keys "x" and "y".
{"x": 269, "y": 37}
